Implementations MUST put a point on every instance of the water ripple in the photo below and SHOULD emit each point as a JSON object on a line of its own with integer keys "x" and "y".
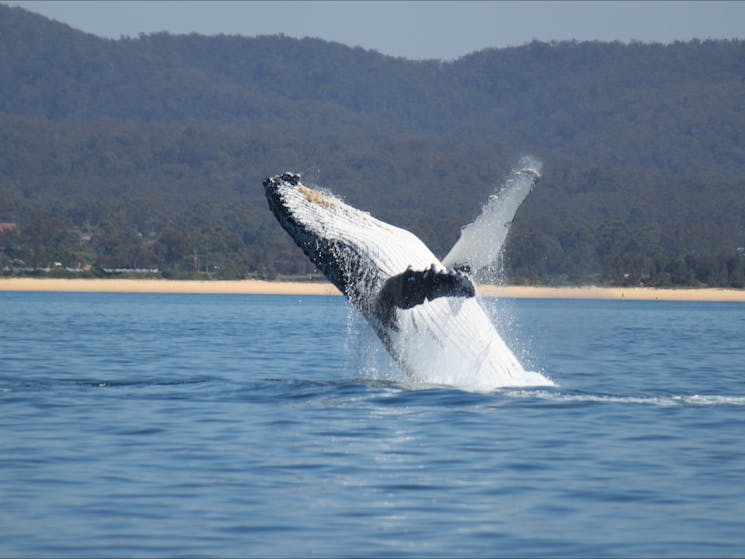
{"x": 252, "y": 426}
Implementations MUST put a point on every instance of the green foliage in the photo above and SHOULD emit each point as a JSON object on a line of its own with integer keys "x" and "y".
{"x": 149, "y": 152}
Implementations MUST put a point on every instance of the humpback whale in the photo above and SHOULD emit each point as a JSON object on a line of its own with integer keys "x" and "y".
{"x": 426, "y": 312}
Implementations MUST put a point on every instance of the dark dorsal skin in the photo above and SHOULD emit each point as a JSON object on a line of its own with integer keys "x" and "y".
{"x": 413, "y": 287}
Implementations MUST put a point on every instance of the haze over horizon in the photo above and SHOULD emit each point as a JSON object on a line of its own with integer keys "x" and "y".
{"x": 413, "y": 30}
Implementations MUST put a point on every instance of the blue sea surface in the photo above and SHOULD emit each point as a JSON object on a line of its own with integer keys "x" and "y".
{"x": 221, "y": 426}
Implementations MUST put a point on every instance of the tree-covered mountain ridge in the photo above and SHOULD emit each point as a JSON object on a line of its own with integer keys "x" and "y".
{"x": 150, "y": 151}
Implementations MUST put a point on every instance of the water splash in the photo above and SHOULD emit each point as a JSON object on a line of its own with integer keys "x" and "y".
{"x": 659, "y": 401}
{"x": 365, "y": 354}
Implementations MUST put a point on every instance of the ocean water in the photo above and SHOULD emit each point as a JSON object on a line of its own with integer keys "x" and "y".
{"x": 223, "y": 426}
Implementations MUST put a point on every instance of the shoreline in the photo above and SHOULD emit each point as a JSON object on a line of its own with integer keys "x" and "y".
{"x": 262, "y": 287}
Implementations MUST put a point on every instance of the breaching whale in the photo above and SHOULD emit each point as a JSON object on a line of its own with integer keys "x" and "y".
{"x": 426, "y": 312}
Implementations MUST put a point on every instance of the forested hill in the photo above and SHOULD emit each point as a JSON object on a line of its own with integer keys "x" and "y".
{"x": 149, "y": 152}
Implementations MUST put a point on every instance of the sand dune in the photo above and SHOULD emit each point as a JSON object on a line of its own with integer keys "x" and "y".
{"x": 259, "y": 287}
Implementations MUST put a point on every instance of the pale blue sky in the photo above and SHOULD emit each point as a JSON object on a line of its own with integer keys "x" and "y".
{"x": 416, "y": 30}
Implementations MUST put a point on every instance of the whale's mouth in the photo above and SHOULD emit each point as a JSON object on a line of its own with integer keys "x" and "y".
{"x": 276, "y": 190}
{"x": 289, "y": 178}
{"x": 273, "y": 189}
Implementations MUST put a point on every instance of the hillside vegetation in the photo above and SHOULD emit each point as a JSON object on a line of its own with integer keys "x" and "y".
{"x": 149, "y": 152}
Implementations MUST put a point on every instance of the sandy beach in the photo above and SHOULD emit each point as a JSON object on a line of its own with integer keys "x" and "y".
{"x": 258, "y": 287}
{"x": 624, "y": 293}
{"x": 248, "y": 287}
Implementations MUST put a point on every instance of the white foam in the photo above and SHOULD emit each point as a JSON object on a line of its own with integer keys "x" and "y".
{"x": 661, "y": 401}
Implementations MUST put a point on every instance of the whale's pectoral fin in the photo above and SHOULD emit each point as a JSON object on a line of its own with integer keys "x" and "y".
{"x": 481, "y": 241}
{"x": 413, "y": 287}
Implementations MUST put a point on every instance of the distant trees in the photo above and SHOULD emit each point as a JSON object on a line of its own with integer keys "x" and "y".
{"x": 150, "y": 152}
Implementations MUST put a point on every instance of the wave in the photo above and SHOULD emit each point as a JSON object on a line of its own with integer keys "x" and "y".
{"x": 373, "y": 387}
{"x": 660, "y": 401}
